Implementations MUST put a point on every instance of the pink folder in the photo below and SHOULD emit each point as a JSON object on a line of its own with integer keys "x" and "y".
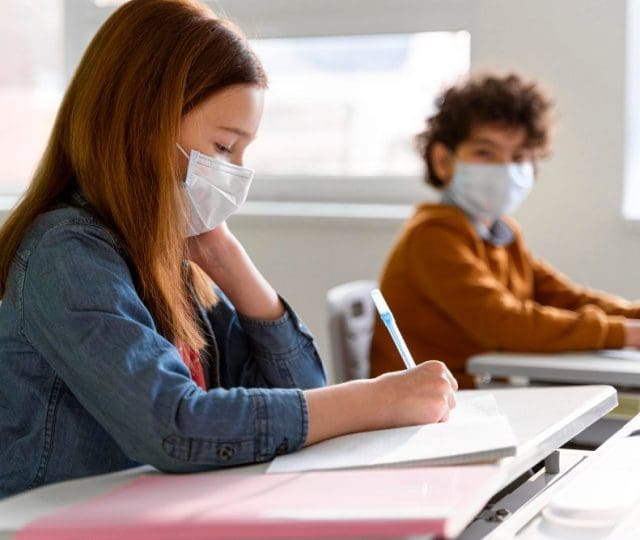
{"x": 365, "y": 502}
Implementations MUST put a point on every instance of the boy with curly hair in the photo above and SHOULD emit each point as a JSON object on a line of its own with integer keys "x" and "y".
{"x": 460, "y": 279}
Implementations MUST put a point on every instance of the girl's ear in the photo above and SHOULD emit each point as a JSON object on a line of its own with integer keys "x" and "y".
{"x": 442, "y": 161}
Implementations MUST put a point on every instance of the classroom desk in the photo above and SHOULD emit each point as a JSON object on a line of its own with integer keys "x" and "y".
{"x": 618, "y": 368}
{"x": 543, "y": 419}
{"x": 531, "y": 522}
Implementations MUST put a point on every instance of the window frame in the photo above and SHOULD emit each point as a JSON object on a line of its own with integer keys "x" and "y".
{"x": 631, "y": 186}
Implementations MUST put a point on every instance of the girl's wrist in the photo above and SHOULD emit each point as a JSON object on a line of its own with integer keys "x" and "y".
{"x": 215, "y": 253}
{"x": 366, "y": 392}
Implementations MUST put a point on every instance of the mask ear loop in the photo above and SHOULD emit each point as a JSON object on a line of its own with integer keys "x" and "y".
{"x": 188, "y": 159}
{"x": 182, "y": 150}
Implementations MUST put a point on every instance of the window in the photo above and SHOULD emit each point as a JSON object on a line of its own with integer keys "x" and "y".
{"x": 31, "y": 85}
{"x": 351, "y": 105}
{"x": 360, "y": 149}
{"x": 347, "y": 93}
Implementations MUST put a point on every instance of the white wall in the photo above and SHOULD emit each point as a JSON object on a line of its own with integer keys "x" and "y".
{"x": 574, "y": 217}
{"x": 303, "y": 258}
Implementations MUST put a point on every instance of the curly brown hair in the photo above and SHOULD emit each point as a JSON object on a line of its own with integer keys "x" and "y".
{"x": 508, "y": 100}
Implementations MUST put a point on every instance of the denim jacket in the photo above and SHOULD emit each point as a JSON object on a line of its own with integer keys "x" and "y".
{"x": 90, "y": 386}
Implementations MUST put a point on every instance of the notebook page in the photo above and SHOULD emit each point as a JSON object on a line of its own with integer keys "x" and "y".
{"x": 475, "y": 433}
{"x": 472, "y": 407}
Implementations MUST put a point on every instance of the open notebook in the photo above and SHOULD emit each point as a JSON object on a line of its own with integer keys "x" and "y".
{"x": 476, "y": 432}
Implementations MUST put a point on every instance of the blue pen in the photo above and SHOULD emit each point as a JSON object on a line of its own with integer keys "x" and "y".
{"x": 390, "y": 323}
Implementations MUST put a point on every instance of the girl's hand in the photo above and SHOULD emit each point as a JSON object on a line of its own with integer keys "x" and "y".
{"x": 209, "y": 250}
{"x": 420, "y": 395}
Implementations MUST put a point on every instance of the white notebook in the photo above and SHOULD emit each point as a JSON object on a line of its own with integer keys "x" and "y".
{"x": 476, "y": 432}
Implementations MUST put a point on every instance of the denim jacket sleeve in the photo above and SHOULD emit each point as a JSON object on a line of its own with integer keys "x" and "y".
{"x": 82, "y": 313}
{"x": 258, "y": 353}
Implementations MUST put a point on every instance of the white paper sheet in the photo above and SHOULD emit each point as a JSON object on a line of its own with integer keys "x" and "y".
{"x": 476, "y": 432}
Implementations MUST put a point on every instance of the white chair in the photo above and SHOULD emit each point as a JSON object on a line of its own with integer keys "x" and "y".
{"x": 351, "y": 319}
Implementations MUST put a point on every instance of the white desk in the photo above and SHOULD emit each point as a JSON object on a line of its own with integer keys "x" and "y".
{"x": 529, "y": 522}
{"x": 543, "y": 419}
{"x": 619, "y": 368}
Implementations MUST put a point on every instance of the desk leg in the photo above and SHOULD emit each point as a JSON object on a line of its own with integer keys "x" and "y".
{"x": 505, "y": 506}
{"x": 552, "y": 463}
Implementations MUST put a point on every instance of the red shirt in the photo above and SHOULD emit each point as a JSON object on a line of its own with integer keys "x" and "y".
{"x": 192, "y": 360}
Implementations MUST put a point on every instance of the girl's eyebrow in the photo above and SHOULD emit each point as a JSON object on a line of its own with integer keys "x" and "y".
{"x": 237, "y": 131}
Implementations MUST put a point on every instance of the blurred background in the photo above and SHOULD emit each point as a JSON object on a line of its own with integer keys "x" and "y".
{"x": 351, "y": 82}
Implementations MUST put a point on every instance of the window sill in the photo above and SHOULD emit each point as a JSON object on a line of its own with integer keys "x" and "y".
{"x": 296, "y": 210}
{"x": 631, "y": 223}
{"x": 326, "y": 210}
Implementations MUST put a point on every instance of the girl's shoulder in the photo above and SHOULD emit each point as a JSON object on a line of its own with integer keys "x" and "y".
{"x": 61, "y": 226}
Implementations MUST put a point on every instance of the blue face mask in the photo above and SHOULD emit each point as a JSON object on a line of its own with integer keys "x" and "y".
{"x": 487, "y": 192}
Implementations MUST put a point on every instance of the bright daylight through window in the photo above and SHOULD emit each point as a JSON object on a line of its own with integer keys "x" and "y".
{"x": 350, "y": 106}
{"x": 336, "y": 106}
{"x": 31, "y": 85}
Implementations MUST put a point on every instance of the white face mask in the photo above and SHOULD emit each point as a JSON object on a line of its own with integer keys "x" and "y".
{"x": 487, "y": 192}
{"x": 216, "y": 189}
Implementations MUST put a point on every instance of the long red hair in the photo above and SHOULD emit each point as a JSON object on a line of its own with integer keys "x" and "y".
{"x": 114, "y": 140}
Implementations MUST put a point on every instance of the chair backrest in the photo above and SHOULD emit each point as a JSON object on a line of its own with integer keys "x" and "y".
{"x": 351, "y": 320}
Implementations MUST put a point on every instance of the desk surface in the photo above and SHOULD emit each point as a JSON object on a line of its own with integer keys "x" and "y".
{"x": 542, "y": 418}
{"x": 616, "y": 367}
